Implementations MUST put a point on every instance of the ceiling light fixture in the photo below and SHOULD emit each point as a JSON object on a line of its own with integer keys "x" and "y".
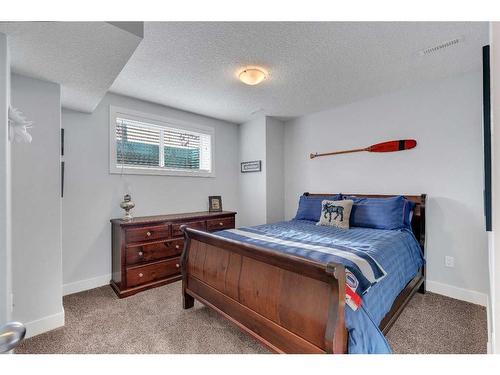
{"x": 253, "y": 76}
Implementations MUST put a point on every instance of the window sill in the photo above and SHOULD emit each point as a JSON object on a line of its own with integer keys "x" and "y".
{"x": 160, "y": 172}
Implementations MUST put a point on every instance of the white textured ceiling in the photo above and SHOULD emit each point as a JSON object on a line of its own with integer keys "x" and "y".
{"x": 84, "y": 57}
{"x": 193, "y": 65}
{"x": 313, "y": 66}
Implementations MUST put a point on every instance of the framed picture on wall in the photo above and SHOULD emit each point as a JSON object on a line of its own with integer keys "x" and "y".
{"x": 251, "y": 166}
{"x": 215, "y": 203}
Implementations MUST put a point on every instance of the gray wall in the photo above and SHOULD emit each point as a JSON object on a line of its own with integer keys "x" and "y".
{"x": 252, "y": 186}
{"x": 261, "y": 193}
{"x": 274, "y": 171}
{"x": 446, "y": 119}
{"x": 36, "y": 208}
{"x": 92, "y": 195}
{"x": 5, "y": 210}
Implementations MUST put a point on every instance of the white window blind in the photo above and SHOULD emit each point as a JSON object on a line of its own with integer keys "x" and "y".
{"x": 137, "y": 144}
{"x": 142, "y": 145}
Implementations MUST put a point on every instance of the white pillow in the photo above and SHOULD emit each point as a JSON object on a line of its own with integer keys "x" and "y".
{"x": 335, "y": 213}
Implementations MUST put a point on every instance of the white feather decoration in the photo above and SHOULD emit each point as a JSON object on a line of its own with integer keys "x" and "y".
{"x": 18, "y": 126}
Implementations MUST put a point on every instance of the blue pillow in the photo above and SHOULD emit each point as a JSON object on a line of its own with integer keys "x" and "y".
{"x": 408, "y": 212}
{"x": 310, "y": 206}
{"x": 381, "y": 213}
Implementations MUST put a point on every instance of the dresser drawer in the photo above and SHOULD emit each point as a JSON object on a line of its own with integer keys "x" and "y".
{"x": 160, "y": 270}
{"x": 219, "y": 224}
{"x": 142, "y": 234}
{"x": 176, "y": 228}
{"x": 154, "y": 251}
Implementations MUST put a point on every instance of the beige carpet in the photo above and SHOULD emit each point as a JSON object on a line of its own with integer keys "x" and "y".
{"x": 154, "y": 322}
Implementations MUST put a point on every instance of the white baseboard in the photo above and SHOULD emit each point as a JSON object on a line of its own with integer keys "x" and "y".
{"x": 44, "y": 324}
{"x": 466, "y": 295}
{"x": 80, "y": 286}
{"x": 491, "y": 344}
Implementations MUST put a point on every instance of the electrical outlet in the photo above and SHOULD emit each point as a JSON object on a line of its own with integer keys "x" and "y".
{"x": 449, "y": 261}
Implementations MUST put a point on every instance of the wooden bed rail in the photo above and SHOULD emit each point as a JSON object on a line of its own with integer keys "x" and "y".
{"x": 288, "y": 303}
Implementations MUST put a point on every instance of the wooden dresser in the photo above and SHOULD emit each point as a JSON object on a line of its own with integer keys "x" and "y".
{"x": 146, "y": 250}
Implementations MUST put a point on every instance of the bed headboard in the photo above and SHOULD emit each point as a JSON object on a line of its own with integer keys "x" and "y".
{"x": 417, "y": 221}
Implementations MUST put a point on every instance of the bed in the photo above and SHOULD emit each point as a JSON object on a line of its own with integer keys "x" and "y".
{"x": 265, "y": 280}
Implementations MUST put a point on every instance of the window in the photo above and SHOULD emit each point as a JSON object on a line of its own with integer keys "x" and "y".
{"x": 147, "y": 144}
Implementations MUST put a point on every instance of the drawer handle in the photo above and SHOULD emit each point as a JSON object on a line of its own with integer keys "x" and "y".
{"x": 221, "y": 223}
{"x": 177, "y": 265}
{"x": 148, "y": 234}
{"x": 141, "y": 274}
{"x": 140, "y": 253}
{"x": 177, "y": 247}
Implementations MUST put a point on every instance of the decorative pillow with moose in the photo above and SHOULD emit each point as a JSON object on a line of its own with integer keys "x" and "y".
{"x": 335, "y": 213}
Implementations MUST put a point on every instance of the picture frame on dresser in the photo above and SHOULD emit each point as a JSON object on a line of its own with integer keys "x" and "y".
{"x": 215, "y": 203}
{"x": 145, "y": 251}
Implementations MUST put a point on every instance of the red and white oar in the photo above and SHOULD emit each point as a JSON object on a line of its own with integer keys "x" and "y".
{"x": 389, "y": 146}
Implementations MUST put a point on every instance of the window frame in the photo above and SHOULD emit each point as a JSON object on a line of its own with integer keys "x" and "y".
{"x": 163, "y": 122}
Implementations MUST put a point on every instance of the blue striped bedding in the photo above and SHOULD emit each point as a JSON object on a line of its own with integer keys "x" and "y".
{"x": 394, "y": 257}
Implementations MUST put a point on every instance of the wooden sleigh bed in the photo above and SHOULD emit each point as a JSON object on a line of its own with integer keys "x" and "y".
{"x": 288, "y": 303}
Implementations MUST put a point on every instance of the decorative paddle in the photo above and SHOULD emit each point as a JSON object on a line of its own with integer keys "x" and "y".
{"x": 390, "y": 146}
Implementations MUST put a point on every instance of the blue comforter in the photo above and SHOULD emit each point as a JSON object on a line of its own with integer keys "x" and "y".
{"x": 396, "y": 252}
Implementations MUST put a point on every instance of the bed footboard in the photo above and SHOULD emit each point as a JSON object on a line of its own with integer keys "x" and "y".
{"x": 289, "y": 304}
